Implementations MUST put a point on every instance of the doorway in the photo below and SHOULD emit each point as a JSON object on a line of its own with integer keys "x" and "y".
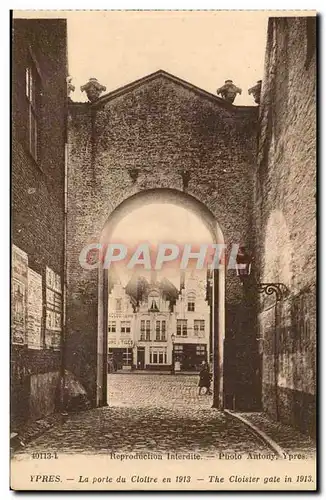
{"x": 140, "y": 358}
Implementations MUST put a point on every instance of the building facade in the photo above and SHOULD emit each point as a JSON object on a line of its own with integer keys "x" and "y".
{"x": 39, "y": 71}
{"x": 191, "y": 325}
{"x": 285, "y": 214}
{"x": 121, "y": 329}
{"x": 160, "y": 328}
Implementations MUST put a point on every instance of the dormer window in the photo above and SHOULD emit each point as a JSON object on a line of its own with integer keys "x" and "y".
{"x": 191, "y": 306}
{"x": 191, "y": 301}
{"x": 154, "y": 307}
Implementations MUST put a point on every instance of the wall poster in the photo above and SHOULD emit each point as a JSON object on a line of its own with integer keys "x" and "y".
{"x": 53, "y": 309}
{"x": 18, "y": 296}
{"x": 35, "y": 306}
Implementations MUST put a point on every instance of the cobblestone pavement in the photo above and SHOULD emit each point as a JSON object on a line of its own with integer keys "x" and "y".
{"x": 152, "y": 413}
{"x": 290, "y": 439}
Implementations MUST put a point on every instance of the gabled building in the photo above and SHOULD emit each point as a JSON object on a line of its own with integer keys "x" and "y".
{"x": 153, "y": 323}
{"x": 153, "y": 328}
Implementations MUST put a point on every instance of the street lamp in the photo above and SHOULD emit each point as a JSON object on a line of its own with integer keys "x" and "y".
{"x": 244, "y": 261}
{"x": 173, "y": 362}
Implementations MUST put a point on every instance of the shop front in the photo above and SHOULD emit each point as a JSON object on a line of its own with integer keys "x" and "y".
{"x": 190, "y": 356}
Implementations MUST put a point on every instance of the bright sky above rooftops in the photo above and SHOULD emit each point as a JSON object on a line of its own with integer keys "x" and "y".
{"x": 204, "y": 48}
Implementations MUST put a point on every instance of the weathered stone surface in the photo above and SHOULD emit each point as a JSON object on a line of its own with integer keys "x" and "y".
{"x": 160, "y": 126}
{"x": 285, "y": 209}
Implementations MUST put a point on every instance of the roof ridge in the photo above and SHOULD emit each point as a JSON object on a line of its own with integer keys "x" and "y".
{"x": 163, "y": 73}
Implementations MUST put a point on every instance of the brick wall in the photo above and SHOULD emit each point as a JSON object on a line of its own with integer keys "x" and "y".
{"x": 158, "y": 126}
{"x": 38, "y": 194}
{"x": 285, "y": 209}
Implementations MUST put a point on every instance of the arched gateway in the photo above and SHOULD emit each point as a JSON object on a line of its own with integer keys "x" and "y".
{"x": 172, "y": 197}
{"x": 161, "y": 135}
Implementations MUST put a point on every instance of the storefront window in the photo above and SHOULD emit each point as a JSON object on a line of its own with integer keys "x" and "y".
{"x": 127, "y": 357}
{"x": 158, "y": 356}
{"x": 201, "y": 350}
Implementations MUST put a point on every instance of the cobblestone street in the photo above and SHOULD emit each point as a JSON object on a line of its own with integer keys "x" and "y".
{"x": 155, "y": 413}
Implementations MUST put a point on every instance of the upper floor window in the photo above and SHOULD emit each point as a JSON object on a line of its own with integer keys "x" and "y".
{"x": 112, "y": 327}
{"x": 125, "y": 326}
{"x": 154, "y": 306}
{"x": 32, "y": 94}
{"x": 182, "y": 327}
{"x": 161, "y": 330}
{"x": 199, "y": 327}
{"x": 145, "y": 329}
{"x": 191, "y": 301}
{"x": 118, "y": 304}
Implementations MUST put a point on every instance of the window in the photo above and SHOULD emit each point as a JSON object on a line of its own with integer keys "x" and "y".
{"x": 163, "y": 331}
{"x": 118, "y": 304}
{"x": 158, "y": 356}
{"x": 160, "y": 330}
{"x": 145, "y": 329}
{"x": 32, "y": 98}
{"x": 199, "y": 327}
{"x": 201, "y": 350}
{"x": 127, "y": 357}
{"x": 154, "y": 306}
{"x": 181, "y": 327}
{"x": 178, "y": 352}
{"x": 112, "y": 327}
{"x": 125, "y": 326}
{"x": 142, "y": 330}
{"x": 148, "y": 329}
{"x": 191, "y": 301}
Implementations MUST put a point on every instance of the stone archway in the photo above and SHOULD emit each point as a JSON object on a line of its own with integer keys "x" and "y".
{"x": 178, "y": 198}
{"x": 159, "y": 132}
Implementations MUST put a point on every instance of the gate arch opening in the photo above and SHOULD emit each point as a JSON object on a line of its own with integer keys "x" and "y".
{"x": 188, "y": 202}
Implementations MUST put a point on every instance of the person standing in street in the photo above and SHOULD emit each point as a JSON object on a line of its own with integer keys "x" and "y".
{"x": 204, "y": 379}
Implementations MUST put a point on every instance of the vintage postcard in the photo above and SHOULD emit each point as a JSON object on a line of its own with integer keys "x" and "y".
{"x": 163, "y": 272}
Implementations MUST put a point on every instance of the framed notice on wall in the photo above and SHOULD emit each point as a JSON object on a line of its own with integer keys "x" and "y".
{"x": 53, "y": 309}
{"x": 35, "y": 308}
{"x": 19, "y": 284}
